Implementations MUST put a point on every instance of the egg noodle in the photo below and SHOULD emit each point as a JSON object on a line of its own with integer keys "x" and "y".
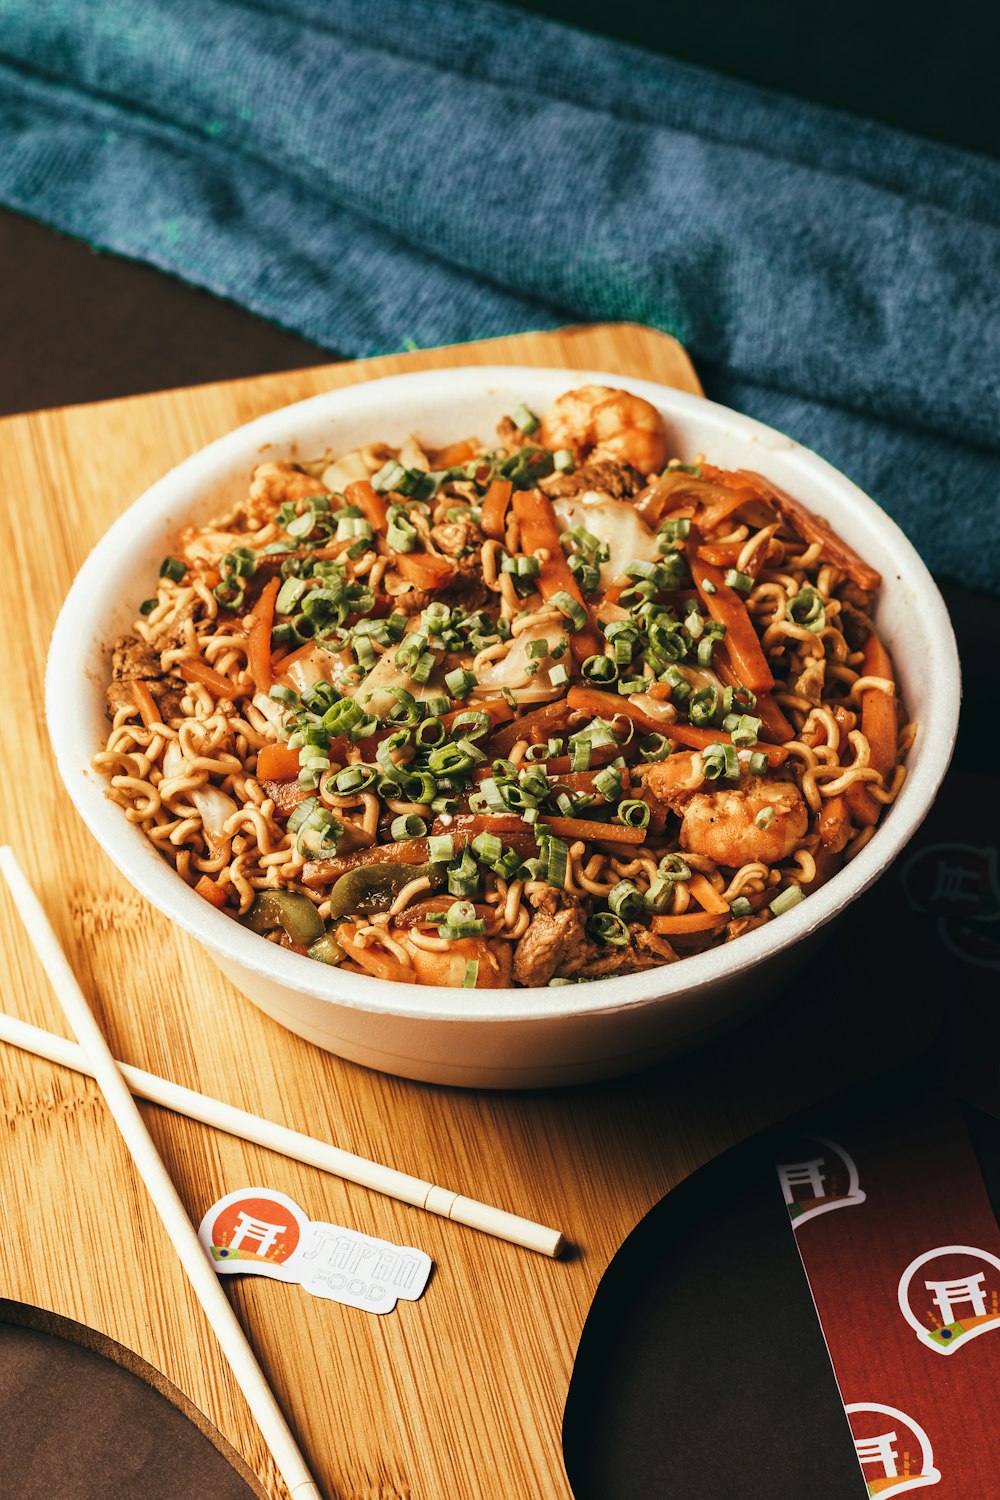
{"x": 534, "y": 713}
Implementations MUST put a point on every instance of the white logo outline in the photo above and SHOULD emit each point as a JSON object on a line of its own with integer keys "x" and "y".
{"x": 924, "y": 1334}
{"x": 929, "y": 1474}
{"x": 851, "y": 1199}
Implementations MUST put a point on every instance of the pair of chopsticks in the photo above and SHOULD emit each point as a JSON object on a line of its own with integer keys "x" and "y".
{"x": 118, "y": 1082}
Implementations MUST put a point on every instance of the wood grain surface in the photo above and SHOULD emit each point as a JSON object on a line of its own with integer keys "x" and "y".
{"x": 462, "y": 1392}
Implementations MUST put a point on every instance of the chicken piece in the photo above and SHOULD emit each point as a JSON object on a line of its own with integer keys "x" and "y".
{"x": 131, "y": 658}
{"x": 551, "y": 940}
{"x": 457, "y": 538}
{"x": 620, "y": 481}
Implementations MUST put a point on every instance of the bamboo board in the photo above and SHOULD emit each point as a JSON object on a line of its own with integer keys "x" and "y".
{"x": 462, "y": 1392}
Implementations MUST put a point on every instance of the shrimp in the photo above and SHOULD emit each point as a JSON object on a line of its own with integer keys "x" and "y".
{"x": 274, "y": 483}
{"x": 722, "y": 825}
{"x": 599, "y": 424}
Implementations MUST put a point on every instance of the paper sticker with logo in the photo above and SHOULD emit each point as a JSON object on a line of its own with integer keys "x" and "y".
{"x": 893, "y": 1450}
{"x": 950, "y": 1295}
{"x": 259, "y": 1232}
{"x": 959, "y": 885}
{"x": 816, "y": 1176}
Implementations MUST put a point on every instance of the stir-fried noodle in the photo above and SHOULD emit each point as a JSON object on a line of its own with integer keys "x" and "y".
{"x": 531, "y": 713}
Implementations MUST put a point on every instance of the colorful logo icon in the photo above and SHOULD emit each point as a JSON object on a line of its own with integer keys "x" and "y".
{"x": 817, "y": 1176}
{"x": 893, "y": 1450}
{"x": 950, "y": 1295}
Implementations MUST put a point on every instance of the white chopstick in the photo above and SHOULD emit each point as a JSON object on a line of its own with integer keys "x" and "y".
{"x": 242, "y": 1360}
{"x": 238, "y": 1122}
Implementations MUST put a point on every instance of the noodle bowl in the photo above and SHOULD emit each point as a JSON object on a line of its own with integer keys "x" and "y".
{"x": 514, "y": 1036}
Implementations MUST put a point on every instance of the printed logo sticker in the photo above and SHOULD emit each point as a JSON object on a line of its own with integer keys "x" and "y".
{"x": 893, "y": 1450}
{"x": 818, "y": 1176}
{"x": 258, "y": 1232}
{"x": 959, "y": 885}
{"x": 951, "y": 1295}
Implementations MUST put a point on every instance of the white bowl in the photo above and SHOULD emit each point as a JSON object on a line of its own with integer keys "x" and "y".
{"x": 491, "y": 1038}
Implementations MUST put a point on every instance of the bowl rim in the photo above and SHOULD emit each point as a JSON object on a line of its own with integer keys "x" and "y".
{"x": 66, "y": 693}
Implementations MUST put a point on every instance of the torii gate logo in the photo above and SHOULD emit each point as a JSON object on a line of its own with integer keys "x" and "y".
{"x": 951, "y": 1295}
{"x": 819, "y": 1177}
{"x": 260, "y": 1230}
{"x": 893, "y": 1450}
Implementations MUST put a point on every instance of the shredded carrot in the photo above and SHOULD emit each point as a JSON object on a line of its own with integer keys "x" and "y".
{"x": 690, "y": 921}
{"x": 707, "y": 896}
{"x": 834, "y": 824}
{"x": 423, "y": 569}
{"x": 259, "y": 637}
{"x": 383, "y": 965}
{"x": 144, "y": 702}
{"x": 194, "y": 670}
{"x": 540, "y": 532}
{"x": 588, "y": 828}
{"x": 603, "y": 705}
{"x": 213, "y": 893}
{"x": 879, "y": 725}
{"x": 727, "y": 608}
{"x": 373, "y": 505}
{"x": 495, "y": 508}
{"x": 536, "y": 726}
{"x": 456, "y": 453}
{"x": 773, "y": 724}
{"x": 277, "y": 763}
{"x": 700, "y": 739}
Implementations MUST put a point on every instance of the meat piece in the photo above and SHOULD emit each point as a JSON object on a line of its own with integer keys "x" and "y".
{"x": 286, "y": 795}
{"x": 132, "y": 658}
{"x": 620, "y": 481}
{"x": 167, "y": 694}
{"x": 456, "y": 538}
{"x": 855, "y": 626}
{"x": 547, "y": 944}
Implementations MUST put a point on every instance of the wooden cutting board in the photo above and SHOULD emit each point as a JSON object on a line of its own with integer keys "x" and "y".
{"x": 462, "y": 1392}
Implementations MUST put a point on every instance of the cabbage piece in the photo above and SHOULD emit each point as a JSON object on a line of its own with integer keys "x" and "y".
{"x": 616, "y": 523}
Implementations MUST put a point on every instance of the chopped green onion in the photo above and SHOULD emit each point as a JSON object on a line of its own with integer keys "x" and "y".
{"x": 570, "y": 607}
{"x": 147, "y": 606}
{"x": 460, "y": 682}
{"x": 720, "y": 760}
{"x": 440, "y": 848}
{"x": 558, "y": 675}
{"x": 740, "y": 907}
{"x": 703, "y": 706}
{"x": 173, "y": 568}
{"x": 741, "y": 582}
{"x": 407, "y": 826}
{"x": 806, "y": 608}
{"x": 758, "y": 763}
{"x": 599, "y": 669}
{"x": 654, "y": 746}
{"x": 388, "y": 476}
{"x": 625, "y": 900}
{"x": 563, "y": 460}
{"x": 471, "y": 974}
{"x": 524, "y": 419}
{"x": 607, "y": 927}
{"x": 764, "y": 818}
{"x": 786, "y": 899}
{"x": 557, "y": 861}
{"x": 709, "y": 587}
{"x": 463, "y": 877}
{"x": 634, "y": 813}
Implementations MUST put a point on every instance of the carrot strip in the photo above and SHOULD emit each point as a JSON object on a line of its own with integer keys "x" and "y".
{"x": 540, "y": 531}
{"x": 773, "y": 724}
{"x": 495, "y": 508}
{"x": 587, "y": 828}
{"x": 277, "y": 763}
{"x": 879, "y": 725}
{"x": 814, "y": 529}
{"x": 727, "y": 608}
{"x": 375, "y": 960}
{"x": 690, "y": 921}
{"x": 145, "y": 703}
{"x": 423, "y": 569}
{"x": 602, "y": 705}
{"x": 498, "y": 710}
{"x": 259, "y": 637}
{"x": 213, "y": 893}
{"x": 834, "y": 824}
{"x": 700, "y": 739}
{"x": 536, "y": 726}
{"x": 707, "y": 896}
{"x": 193, "y": 670}
{"x": 456, "y": 453}
{"x": 373, "y": 505}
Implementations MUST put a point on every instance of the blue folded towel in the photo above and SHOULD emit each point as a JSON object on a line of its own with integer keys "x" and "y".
{"x": 431, "y": 171}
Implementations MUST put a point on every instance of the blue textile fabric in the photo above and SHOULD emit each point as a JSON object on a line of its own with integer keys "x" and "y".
{"x": 427, "y": 171}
